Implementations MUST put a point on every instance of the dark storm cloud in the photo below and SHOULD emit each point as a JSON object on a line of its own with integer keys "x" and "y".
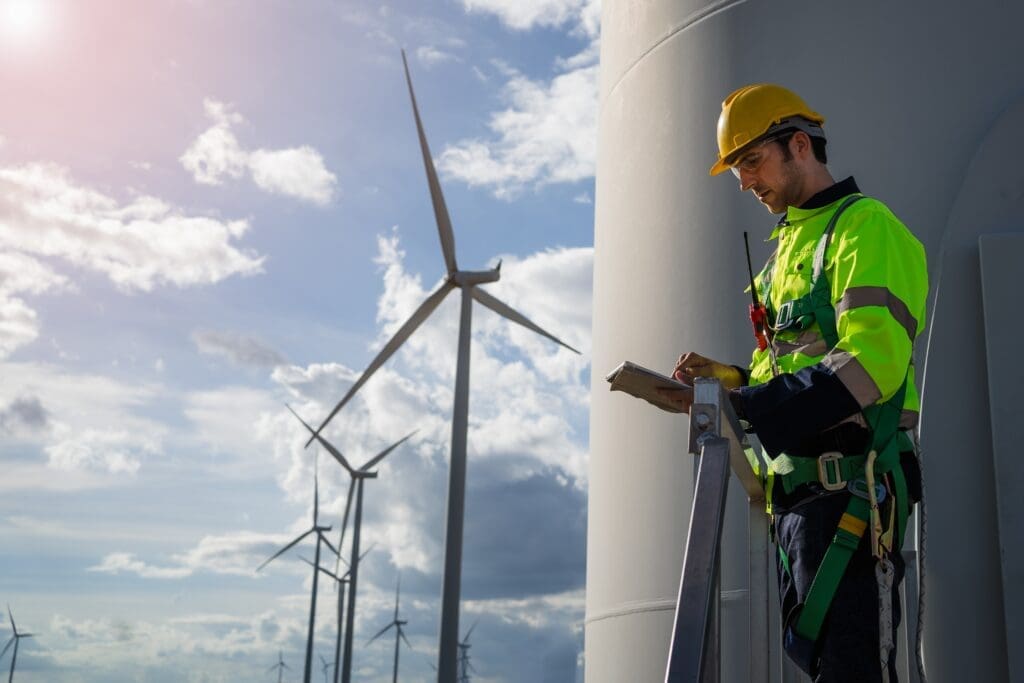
{"x": 238, "y": 348}
{"x": 24, "y": 414}
{"x": 523, "y": 537}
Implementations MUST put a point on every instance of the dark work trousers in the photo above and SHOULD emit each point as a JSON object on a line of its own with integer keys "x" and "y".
{"x": 849, "y": 649}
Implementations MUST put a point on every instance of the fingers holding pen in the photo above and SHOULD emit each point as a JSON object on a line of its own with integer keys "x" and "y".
{"x": 691, "y": 365}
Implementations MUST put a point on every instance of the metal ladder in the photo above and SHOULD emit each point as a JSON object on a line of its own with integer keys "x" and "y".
{"x": 720, "y": 443}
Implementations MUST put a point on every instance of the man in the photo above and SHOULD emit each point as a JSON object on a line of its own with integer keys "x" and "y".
{"x": 832, "y": 396}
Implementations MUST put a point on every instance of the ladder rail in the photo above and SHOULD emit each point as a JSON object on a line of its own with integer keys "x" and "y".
{"x": 721, "y": 445}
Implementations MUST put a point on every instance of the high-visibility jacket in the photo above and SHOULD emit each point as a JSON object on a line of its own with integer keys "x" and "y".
{"x": 879, "y": 284}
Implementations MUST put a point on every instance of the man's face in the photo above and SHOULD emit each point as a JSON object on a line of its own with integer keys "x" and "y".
{"x": 774, "y": 179}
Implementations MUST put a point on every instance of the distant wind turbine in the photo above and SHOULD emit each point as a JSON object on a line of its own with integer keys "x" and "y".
{"x": 469, "y": 282}
{"x": 358, "y": 476}
{"x": 327, "y": 665}
{"x": 341, "y": 583}
{"x": 464, "y": 664}
{"x": 318, "y": 530}
{"x": 14, "y": 640}
{"x": 280, "y": 666}
{"x": 399, "y": 633}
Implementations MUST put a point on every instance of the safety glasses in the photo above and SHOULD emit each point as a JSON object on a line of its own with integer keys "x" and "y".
{"x": 753, "y": 158}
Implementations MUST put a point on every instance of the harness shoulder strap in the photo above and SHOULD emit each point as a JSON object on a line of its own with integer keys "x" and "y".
{"x": 820, "y": 296}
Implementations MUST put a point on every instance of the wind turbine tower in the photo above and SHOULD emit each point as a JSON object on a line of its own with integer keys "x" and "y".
{"x": 318, "y": 530}
{"x": 14, "y": 640}
{"x": 342, "y": 583}
{"x": 358, "y": 476}
{"x": 399, "y": 633}
{"x": 469, "y": 282}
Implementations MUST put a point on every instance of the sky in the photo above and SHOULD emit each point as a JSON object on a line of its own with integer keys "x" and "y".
{"x": 210, "y": 209}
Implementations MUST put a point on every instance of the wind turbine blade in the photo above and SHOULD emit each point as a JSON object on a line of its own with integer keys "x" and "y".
{"x": 402, "y": 633}
{"x": 444, "y": 222}
{"x": 323, "y": 442}
{"x": 501, "y": 308}
{"x": 470, "y": 632}
{"x": 348, "y": 507}
{"x": 316, "y": 498}
{"x": 328, "y": 544}
{"x": 380, "y": 633}
{"x": 7, "y": 647}
{"x": 398, "y": 591}
{"x": 326, "y": 444}
{"x": 404, "y": 332}
{"x": 383, "y": 454}
{"x": 324, "y": 570}
{"x": 285, "y": 549}
{"x": 11, "y": 617}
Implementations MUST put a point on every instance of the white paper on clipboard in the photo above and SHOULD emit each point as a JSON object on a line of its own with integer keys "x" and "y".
{"x": 638, "y": 381}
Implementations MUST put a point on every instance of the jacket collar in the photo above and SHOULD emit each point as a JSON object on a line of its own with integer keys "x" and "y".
{"x": 829, "y": 195}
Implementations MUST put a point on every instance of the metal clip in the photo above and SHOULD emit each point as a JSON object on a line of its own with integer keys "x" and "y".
{"x": 784, "y": 316}
{"x": 830, "y": 474}
{"x": 859, "y": 488}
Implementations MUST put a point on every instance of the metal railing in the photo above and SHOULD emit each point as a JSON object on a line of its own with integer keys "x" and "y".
{"x": 721, "y": 445}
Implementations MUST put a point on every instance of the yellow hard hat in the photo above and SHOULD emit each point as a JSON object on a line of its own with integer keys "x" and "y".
{"x": 755, "y": 110}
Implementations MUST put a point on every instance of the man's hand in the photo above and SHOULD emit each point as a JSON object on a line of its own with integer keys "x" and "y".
{"x": 691, "y": 365}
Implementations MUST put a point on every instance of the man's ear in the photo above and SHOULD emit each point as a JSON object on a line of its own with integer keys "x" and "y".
{"x": 800, "y": 146}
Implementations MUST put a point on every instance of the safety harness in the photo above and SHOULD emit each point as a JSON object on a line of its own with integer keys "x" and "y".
{"x": 835, "y": 471}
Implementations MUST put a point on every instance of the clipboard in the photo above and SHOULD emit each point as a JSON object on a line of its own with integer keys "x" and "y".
{"x": 638, "y": 381}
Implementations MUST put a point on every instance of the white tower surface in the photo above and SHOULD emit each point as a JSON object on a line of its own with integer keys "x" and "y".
{"x": 924, "y": 105}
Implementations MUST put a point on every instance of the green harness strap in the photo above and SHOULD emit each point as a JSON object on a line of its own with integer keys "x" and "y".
{"x": 855, "y": 521}
{"x": 835, "y": 471}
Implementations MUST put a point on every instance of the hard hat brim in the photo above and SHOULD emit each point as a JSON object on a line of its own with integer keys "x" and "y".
{"x": 719, "y": 167}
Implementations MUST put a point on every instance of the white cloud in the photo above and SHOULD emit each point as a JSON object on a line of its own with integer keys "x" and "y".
{"x": 527, "y": 14}
{"x": 231, "y": 421}
{"x": 548, "y": 132}
{"x": 111, "y": 450}
{"x": 431, "y": 56}
{"x": 298, "y": 172}
{"x": 239, "y": 554}
{"x": 222, "y": 647}
{"x": 547, "y": 135}
{"x": 22, "y": 274}
{"x": 116, "y": 563}
{"x": 94, "y": 434}
{"x": 535, "y": 611}
{"x": 18, "y": 325}
{"x": 216, "y": 154}
{"x": 137, "y": 245}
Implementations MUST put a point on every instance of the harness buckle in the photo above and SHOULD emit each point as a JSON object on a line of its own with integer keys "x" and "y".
{"x": 784, "y": 316}
{"x": 830, "y": 474}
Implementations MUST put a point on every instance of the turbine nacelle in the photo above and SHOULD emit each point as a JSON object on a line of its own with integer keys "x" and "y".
{"x": 468, "y": 278}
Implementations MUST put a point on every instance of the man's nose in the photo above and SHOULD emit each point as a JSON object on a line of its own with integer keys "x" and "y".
{"x": 746, "y": 180}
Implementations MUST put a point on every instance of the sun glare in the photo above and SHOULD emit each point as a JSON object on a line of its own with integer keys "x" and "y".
{"x": 23, "y": 21}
